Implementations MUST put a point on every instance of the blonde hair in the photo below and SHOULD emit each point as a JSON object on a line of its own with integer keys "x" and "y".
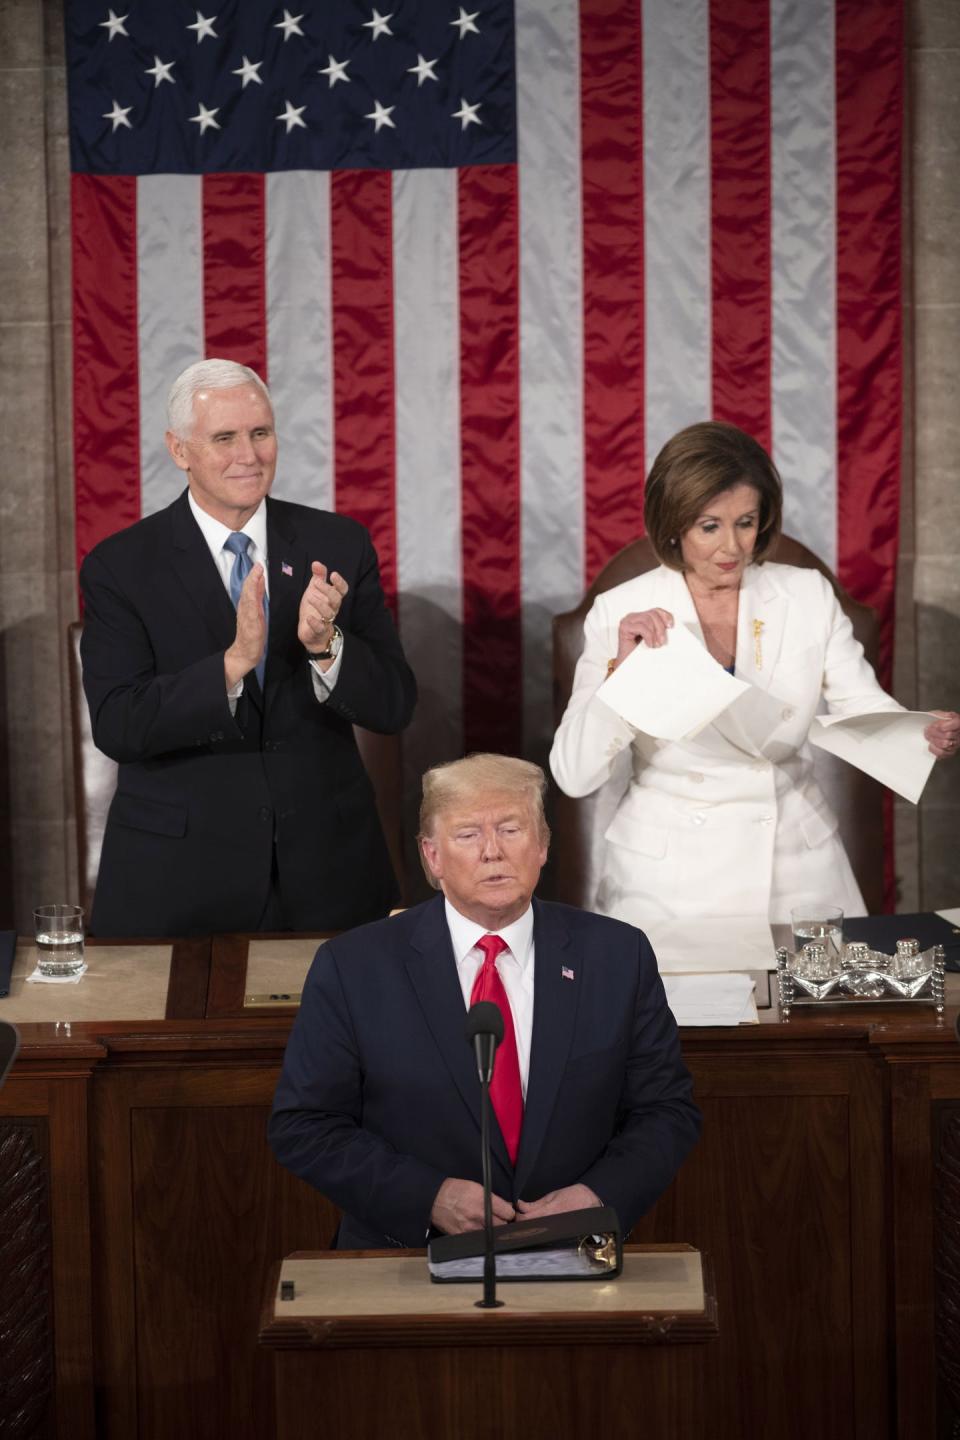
{"x": 445, "y": 786}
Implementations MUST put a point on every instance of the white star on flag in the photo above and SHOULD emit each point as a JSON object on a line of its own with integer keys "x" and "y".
{"x": 464, "y": 22}
{"x": 204, "y": 27}
{"x": 423, "y": 70}
{"x": 205, "y": 118}
{"x": 114, "y": 23}
{"x": 248, "y": 71}
{"x": 381, "y": 116}
{"x": 290, "y": 25}
{"x": 292, "y": 116}
{"x": 118, "y": 116}
{"x": 160, "y": 70}
{"x": 467, "y": 114}
{"x": 336, "y": 70}
{"x": 378, "y": 25}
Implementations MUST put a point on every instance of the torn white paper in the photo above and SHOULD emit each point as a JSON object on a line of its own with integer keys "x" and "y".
{"x": 672, "y": 691}
{"x": 711, "y": 999}
{"x": 887, "y": 744}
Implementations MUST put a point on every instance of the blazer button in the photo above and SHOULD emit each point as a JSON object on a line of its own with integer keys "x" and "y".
{"x": 265, "y": 812}
{"x": 699, "y": 818}
{"x": 787, "y": 712}
{"x": 696, "y": 777}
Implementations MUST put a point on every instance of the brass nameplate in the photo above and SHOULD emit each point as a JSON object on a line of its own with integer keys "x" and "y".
{"x": 280, "y": 999}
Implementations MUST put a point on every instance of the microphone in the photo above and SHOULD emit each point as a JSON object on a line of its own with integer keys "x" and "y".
{"x": 484, "y": 1031}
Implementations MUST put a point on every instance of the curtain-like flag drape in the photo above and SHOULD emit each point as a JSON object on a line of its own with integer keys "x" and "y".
{"x": 489, "y": 258}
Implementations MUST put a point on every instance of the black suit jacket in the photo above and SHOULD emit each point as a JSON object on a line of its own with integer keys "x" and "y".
{"x": 201, "y": 793}
{"x": 379, "y": 1101}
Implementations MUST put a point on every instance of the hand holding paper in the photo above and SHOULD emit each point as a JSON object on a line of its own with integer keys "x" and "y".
{"x": 888, "y": 744}
{"x": 672, "y": 690}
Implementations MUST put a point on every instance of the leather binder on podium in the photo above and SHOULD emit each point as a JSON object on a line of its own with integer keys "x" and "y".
{"x": 577, "y": 1245}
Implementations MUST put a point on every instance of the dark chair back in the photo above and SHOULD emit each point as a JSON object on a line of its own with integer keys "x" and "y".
{"x": 95, "y": 780}
{"x": 856, "y": 799}
{"x": 9, "y": 1045}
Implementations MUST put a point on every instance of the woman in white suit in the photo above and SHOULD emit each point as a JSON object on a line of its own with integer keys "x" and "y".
{"x": 731, "y": 822}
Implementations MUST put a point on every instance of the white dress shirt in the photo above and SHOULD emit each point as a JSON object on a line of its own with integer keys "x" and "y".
{"x": 216, "y": 534}
{"x": 515, "y": 966}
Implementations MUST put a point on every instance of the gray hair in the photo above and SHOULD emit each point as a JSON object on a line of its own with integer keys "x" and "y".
{"x": 459, "y": 781}
{"x": 205, "y": 375}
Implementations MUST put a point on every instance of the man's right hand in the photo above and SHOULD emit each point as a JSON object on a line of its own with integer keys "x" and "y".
{"x": 246, "y": 650}
{"x": 459, "y": 1206}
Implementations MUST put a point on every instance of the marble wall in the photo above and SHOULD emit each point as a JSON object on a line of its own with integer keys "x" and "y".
{"x": 933, "y": 319}
{"x": 37, "y": 569}
{"x": 37, "y": 572}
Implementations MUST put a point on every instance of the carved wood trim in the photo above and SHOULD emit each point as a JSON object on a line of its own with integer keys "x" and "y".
{"x": 26, "y": 1331}
{"x": 946, "y": 1256}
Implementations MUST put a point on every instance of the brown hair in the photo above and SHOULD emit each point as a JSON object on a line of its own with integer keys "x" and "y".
{"x": 444, "y": 786}
{"x": 693, "y": 467}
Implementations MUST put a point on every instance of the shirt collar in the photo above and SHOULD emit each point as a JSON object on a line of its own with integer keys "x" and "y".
{"x": 465, "y": 933}
{"x": 215, "y": 532}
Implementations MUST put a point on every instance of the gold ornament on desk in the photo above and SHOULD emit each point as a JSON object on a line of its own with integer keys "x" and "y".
{"x": 757, "y": 648}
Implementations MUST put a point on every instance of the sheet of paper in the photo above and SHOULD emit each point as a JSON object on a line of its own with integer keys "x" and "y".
{"x": 711, "y": 999}
{"x": 673, "y": 691}
{"x": 741, "y": 942}
{"x": 887, "y": 744}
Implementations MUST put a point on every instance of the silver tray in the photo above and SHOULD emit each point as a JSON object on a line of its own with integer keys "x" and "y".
{"x": 878, "y": 982}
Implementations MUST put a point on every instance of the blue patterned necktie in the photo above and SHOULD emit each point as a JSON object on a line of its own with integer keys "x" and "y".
{"x": 237, "y": 543}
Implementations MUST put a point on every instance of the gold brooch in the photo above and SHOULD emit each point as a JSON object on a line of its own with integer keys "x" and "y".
{"x": 757, "y": 650}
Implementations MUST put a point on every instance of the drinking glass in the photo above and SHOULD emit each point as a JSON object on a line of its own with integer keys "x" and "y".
{"x": 58, "y": 930}
{"x": 819, "y": 925}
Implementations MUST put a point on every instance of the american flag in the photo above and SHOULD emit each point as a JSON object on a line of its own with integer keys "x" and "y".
{"x": 489, "y": 258}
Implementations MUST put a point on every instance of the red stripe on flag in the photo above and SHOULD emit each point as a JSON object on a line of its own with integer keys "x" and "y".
{"x": 869, "y": 87}
{"x": 740, "y": 205}
{"x": 234, "y": 269}
{"x": 488, "y": 217}
{"x": 611, "y": 126}
{"x": 106, "y": 388}
{"x": 361, "y": 249}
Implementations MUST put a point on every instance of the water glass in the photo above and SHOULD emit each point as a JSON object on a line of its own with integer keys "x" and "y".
{"x": 58, "y": 930}
{"x": 818, "y": 925}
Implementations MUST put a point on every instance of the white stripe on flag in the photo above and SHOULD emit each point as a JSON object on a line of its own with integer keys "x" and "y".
{"x": 676, "y": 183}
{"x": 804, "y": 286}
{"x": 299, "y": 349}
{"x": 169, "y": 316}
{"x": 551, "y": 366}
{"x": 427, "y": 397}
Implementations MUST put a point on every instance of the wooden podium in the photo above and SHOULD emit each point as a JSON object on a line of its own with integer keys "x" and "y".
{"x": 369, "y": 1347}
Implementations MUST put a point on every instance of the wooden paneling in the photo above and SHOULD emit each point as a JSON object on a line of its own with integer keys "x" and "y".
{"x": 195, "y": 1211}
{"x": 772, "y": 1193}
{"x": 821, "y": 1189}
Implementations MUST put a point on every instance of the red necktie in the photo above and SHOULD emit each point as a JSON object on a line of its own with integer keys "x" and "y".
{"x": 505, "y": 1091}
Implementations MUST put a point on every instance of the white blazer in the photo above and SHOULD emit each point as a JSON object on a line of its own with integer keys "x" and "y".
{"x": 733, "y": 821}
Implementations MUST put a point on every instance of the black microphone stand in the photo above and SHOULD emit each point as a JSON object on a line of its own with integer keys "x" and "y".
{"x": 489, "y": 1301}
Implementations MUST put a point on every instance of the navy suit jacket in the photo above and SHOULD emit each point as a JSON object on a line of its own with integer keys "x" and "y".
{"x": 202, "y": 794}
{"x": 379, "y": 1101}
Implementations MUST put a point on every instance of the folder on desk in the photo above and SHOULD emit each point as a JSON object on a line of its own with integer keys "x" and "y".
{"x": 578, "y": 1245}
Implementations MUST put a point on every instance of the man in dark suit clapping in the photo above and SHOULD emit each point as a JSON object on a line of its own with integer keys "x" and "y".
{"x": 230, "y": 643}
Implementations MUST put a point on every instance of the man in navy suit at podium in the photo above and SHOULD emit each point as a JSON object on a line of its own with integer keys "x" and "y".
{"x": 378, "y": 1103}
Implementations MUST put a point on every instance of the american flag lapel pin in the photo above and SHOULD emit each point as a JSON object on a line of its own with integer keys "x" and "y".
{"x": 286, "y": 569}
{"x": 565, "y": 972}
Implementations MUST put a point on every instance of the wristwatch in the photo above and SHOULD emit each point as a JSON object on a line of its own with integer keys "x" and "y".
{"x": 332, "y": 650}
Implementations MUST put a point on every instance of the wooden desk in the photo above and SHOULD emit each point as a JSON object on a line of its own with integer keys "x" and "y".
{"x": 372, "y": 1347}
{"x": 822, "y": 1189}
